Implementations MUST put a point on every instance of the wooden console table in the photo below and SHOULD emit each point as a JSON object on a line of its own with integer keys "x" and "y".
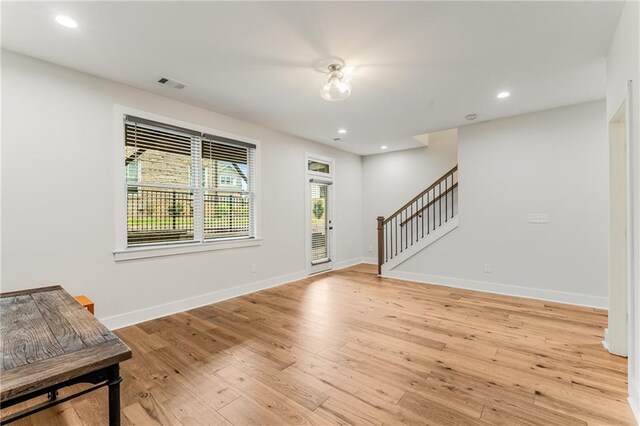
{"x": 49, "y": 341}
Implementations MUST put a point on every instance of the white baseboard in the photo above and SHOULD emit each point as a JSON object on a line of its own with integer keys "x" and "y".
{"x": 348, "y": 263}
{"x": 605, "y": 341}
{"x": 134, "y": 317}
{"x": 505, "y": 289}
{"x": 634, "y": 399}
{"x": 370, "y": 260}
{"x": 152, "y": 312}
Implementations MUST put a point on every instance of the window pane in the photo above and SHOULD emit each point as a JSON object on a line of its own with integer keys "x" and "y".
{"x": 319, "y": 243}
{"x": 159, "y": 215}
{"x": 227, "y": 166}
{"x": 163, "y": 157}
{"x": 316, "y": 166}
{"x": 227, "y": 191}
{"x": 226, "y": 215}
{"x": 159, "y": 197}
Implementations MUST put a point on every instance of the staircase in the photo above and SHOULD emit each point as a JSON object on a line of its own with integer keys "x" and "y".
{"x": 419, "y": 223}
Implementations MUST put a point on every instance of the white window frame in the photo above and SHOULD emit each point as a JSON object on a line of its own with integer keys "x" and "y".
{"x": 121, "y": 252}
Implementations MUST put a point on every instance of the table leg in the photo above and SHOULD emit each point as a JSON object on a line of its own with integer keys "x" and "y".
{"x": 114, "y": 395}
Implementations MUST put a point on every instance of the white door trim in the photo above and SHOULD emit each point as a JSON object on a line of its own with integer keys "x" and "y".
{"x": 618, "y": 335}
{"x": 329, "y": 179}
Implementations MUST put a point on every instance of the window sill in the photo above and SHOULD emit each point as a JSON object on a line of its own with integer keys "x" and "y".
{"x": 171, "y": 250}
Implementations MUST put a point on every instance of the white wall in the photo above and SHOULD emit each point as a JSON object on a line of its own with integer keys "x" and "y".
{"x": 623, "y": 64}
{"x": 58, "y": 198}
{"x": 392, "y": 179}
{"x": 551, "y": 162}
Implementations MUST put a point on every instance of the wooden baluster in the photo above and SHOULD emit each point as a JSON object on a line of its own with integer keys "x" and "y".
{"x": 380, "y": 244}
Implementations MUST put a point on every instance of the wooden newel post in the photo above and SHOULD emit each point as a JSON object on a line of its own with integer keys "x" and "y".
{"x": 380, "y": 244}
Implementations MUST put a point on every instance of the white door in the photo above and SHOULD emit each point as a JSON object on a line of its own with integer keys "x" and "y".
{"x": 321, "y": 226}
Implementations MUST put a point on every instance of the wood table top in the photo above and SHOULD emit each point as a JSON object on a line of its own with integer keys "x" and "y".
{"x": 47, "y": 337}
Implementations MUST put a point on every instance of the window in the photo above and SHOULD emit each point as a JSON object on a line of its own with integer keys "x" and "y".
{"x": 168, "y": 202}
{"x": 318, "y": 167}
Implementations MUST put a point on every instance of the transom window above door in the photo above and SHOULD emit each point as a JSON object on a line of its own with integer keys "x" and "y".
{"x": 318, "y": 167}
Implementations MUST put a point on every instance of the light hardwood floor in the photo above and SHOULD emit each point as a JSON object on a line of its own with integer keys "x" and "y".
{"x": 350, "y": 348}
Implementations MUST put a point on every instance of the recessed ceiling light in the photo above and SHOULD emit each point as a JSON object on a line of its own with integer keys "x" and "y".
{"x": 342, "y": 131}
{"x": 383, "y": 147}
{"x": 65, "y": 21}
{"x": 503, "y": 95}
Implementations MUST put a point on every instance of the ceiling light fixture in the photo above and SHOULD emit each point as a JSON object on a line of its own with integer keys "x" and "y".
{"x": 335, "y": 89}
{"x": 383, "y": 147}
{"x": 65, "y": 21}
{"x": 503, "y": 95}
{"x": 342, "y": 131}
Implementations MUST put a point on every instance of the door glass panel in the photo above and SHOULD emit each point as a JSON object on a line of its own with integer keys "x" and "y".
{"x": 319, "y": 223}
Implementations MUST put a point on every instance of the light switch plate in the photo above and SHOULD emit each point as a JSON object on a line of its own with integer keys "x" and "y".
{"x": 538, "y": 217}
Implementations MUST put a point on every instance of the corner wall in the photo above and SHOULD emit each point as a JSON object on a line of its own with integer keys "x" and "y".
{"x": 553, "y": 162}
{"x": 58, "y": 199}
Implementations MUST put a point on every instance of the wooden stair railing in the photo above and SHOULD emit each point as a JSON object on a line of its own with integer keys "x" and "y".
{"x": 432, "y": 202}
{"x": 420, "y": 216}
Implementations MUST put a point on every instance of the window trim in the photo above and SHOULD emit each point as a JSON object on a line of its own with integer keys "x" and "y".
{"x": 171, "y": 249}
{"x": 121, "y": 250}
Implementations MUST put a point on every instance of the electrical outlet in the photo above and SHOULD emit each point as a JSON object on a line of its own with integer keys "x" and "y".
{"x": 538, "y": 218}
{"x": 487, "y": 268}
{"x": 370, "y": 249}
{"x": 254, "y": 268}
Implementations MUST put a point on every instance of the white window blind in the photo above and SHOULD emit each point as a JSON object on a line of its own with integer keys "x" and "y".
{"x": 169, "y": 202}
{"x": 319, "y": 225}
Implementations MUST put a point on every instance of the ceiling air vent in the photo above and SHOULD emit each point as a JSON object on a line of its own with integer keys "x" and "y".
{"x": 173, "y": 83}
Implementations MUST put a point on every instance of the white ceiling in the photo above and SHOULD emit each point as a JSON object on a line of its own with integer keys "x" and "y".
{"x": 419, "y": 67}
